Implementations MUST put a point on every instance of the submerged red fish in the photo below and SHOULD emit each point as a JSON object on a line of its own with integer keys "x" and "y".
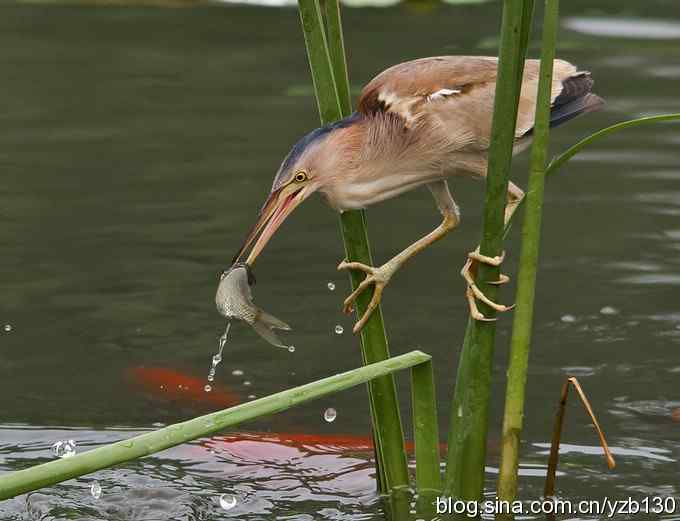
{"x": 168, "y": 384}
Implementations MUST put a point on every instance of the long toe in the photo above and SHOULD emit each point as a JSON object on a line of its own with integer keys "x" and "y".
{"x": 375, "y": 302}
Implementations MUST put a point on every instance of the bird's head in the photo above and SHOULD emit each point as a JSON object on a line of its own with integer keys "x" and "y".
{"x": 310, "y": 164}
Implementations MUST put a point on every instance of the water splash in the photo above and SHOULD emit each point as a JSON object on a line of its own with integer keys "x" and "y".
{"x": 96, "y": 490}
{"x": 331, "y": 286}
{"x": 227, "y": 502}
{"x": 339, "y": 330}
{"x": 330, "y": 414}
{"x": 7, "y": 328}
{"x": 608, "y": 310}
{"x": 64, "y": 448}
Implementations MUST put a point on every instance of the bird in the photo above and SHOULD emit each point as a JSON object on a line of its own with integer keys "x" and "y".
{"x": 420, "y": 122}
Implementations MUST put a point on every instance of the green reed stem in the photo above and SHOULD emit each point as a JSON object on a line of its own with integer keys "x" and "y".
{"x": 425, "y": 429}
{"x": 21, "y": 481}
{"x": 332, "y": 94}
{"x": 470, "y": 405}
{"x": 531, "y": 235}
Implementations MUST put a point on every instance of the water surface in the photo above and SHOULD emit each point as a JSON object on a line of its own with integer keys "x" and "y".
{"x": 138, "y": 144}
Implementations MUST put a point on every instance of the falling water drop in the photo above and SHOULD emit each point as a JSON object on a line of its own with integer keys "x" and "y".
{"x": 339, "y": 330}
{"x": 247, "y": 382}
{"x": 96, "y": 490}
{"x": 207, "y": 388}
{"x": 217, "y": 357}
{"x": 237, "y": 372}
{"x": 291, "y": 349}
{"x": 568, "y": 318}
{"x": 7, "y": 328}
{"x": 331, "y": 286}
{"x": 251, "y": 396}
{"x": 330, "y": 414}
{"x": 227, "y": 502}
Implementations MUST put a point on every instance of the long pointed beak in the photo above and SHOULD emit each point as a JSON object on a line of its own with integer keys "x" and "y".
{"x": 276, "y": 208}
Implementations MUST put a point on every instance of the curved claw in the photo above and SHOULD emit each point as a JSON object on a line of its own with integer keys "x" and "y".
{"x": 373, "y": 276}
{"x": 474, "y": 310}
{"x": 348, "y": 304}
{"x": 473, "y": 293}
{"x": 375, "y": 301}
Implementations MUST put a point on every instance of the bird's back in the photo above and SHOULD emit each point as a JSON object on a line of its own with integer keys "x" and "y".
{"x": 454, "y": 96}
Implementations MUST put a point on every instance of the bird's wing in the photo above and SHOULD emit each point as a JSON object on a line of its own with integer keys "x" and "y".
{"x": 457, "y": 92}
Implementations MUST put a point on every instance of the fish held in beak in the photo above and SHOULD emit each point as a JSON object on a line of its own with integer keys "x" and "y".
{"x": 234, "y": 300}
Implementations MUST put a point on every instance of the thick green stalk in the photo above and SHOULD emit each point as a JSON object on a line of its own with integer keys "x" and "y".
{"x": 333, "y": 104}
{"x": 528, "y": 262}
{"x": 470, "y": 405}
{"x": 21, "y": 481}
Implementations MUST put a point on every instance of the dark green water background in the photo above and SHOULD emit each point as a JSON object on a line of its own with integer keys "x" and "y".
{"x": 136, "y": 146}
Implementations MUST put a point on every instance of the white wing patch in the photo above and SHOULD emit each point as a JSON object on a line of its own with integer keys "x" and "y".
{"x": 442, "y": 94}
{"x": 398, "y": 105}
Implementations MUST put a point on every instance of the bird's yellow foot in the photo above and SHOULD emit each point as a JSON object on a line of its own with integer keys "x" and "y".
{"x": 379, "y": 277}
{"x": 473, "y": 293}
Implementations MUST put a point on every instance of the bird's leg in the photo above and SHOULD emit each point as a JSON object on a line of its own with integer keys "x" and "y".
{"x": 379, "y": 277}
{"x": 515, "y": 195}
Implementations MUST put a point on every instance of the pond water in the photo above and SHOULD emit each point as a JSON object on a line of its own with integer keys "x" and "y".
{"x": 138, "y": 144}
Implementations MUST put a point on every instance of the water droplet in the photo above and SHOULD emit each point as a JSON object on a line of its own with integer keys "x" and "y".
{"x": 330, "y": 414}
{"x": 216, "y": 359}
{"x": 608, "y": 310}
{"x": 246, "y": 382}
{"x": 64, "y": 448}
{"x": 207, "y": 388}
{"x": 568, "y": 318}
{"x": 339, "y": 330}
{"x": 331, "y": 286}
{"x": 227, "y": 502}
{"x": 96, "y": 490}
{"x": 291, "y": 349}
{"x": 211, "y": 377}
{"x": 7, "y": 328}
{"x": 251, "y": 396}
{"x": 237, "y": 372}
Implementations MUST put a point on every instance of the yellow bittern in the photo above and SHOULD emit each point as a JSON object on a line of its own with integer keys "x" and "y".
{"x": 417, "y": 123}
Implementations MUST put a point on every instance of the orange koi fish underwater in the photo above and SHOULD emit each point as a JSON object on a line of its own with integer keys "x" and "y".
{"x": 168, "y": 384}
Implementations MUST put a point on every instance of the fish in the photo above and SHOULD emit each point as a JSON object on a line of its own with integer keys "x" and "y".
{"x": 172, "y": 385}
{"x": 234, "y": 300}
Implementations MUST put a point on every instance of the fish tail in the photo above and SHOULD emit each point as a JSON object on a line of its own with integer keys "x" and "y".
{"x": 271, "y": 321}
{"x": 262, "y": 329}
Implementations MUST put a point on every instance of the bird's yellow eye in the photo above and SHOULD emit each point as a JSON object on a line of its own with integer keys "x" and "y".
{"x": 300, "y": 177}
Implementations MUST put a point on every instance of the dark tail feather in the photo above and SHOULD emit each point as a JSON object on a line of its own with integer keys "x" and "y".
{"x": 575, "y": 99}
{"x": 563, "y": 113}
